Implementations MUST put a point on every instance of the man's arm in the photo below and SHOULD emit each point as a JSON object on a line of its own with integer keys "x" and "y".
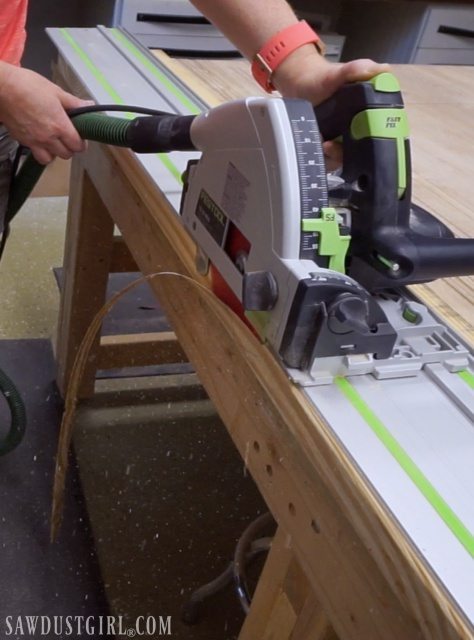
{"x": 304, "y": 73}
{"x": 33, "y": 110}
{"x": 248, "y": 23}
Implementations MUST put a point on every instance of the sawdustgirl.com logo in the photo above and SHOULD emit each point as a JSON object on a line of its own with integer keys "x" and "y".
{"x": 86, "y": 626}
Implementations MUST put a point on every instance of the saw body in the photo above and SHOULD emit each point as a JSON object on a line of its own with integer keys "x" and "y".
{"x": 262, "y": 175}
{"x": 322, "y": 285}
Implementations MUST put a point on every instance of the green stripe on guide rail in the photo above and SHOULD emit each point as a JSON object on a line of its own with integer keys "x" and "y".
{"x": 97, "y": 73}
{"x": 164, "y": 80}
{"x": 105, "y": 84}
{"x": 467, "y": 377}
{"x": 452, "y": 521}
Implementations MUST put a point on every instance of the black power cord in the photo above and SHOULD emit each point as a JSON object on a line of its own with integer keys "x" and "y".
{"x": 123, "y": 108}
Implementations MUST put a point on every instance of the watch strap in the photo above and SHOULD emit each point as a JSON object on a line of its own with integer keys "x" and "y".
{"x": 278, "y": 48}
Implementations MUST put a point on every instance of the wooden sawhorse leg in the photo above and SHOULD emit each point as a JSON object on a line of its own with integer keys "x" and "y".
{"x": 87, "y": 257}
{"x": 284, "y": 607}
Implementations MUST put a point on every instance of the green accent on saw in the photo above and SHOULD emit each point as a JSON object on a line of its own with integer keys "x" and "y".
{"x": 259, "y": 321}
{"x": 331, "y": 243}
{"x": 452, "y": 521}
{"x": 467, "y": 377}
{"x": 152, "y": 68}
{"x": 390, "y": 124}
{"x": 388, "y": 263}
{"x": 410, "y": 315}
{"x": 385, "y": 82}
{"x": 105, "y": 84}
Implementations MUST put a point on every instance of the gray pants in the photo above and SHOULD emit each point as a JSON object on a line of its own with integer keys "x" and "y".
{"x": 8, "y": 149}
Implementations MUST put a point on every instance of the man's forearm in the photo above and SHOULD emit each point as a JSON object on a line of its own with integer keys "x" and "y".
{"x": 248, "y": 23}
{"x": 304, "y": 73}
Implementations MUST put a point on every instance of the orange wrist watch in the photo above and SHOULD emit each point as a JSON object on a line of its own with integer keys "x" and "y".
{"x": 278, "y": 48}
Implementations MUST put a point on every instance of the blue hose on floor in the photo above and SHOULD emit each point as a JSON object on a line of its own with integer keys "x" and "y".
{"x": 18, "y": 415}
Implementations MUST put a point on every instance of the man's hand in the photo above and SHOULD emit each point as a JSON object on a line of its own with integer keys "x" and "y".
{"x": 306, "y": 74}
{"x": 33, "y": 110}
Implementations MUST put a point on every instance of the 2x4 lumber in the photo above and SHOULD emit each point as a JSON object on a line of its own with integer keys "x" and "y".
{"x": 87, "y": 253}
{"x": 139, "y": 350}
{"x": 269, "y": 593}
{"x": 121, "y": 260}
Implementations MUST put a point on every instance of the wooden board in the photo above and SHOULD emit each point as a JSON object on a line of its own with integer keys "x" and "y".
{"x": 55, "y": 180}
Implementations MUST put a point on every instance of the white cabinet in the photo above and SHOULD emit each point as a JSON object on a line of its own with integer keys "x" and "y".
{"x": 406, "y": 31}
{"x": 173, "y": 25}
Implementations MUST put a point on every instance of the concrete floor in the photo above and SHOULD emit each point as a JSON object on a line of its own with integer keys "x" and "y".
{"x": 167, "y": 497}
{"x": 29, "y": 293}
{"x": 166, "y": 492}
{"x": 36, "y": 577}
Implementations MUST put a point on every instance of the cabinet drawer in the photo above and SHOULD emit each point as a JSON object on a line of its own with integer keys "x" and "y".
{"x": 448, "y": 28}
{"x": 444, "y": 56}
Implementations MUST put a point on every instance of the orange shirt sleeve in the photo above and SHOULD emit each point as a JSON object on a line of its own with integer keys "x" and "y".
{"x": 12, "y": 30}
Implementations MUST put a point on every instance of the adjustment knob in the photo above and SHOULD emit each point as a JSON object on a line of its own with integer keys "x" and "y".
{"x": 349, "y": 312}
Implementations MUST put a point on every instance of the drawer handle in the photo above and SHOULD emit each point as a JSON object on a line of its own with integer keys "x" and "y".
{"x": 171, "y": 19}
{"x": 456, "y": 31}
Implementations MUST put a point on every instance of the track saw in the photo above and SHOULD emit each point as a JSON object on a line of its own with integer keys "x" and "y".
{"x": 316, "y": 265}
{"x": 319, "y": 266}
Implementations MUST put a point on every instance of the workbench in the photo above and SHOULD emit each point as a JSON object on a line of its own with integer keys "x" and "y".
{"x": 340, "y": 565}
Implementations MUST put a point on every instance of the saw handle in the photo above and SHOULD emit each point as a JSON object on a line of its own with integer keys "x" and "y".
{"x": 335, "y": 114}
{"x": 386, "y": 250}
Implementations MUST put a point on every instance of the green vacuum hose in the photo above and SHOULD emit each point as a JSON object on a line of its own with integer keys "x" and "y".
{"x": 150, "y": 134}
{"x": 91, "y": 126}
{"x": 18, "y": 415}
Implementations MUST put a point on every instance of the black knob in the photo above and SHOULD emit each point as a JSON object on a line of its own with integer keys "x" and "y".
{"x": 349, "y": 312}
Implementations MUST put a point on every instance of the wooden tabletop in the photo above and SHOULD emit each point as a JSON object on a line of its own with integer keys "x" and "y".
{"x": 440, "y": 106}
